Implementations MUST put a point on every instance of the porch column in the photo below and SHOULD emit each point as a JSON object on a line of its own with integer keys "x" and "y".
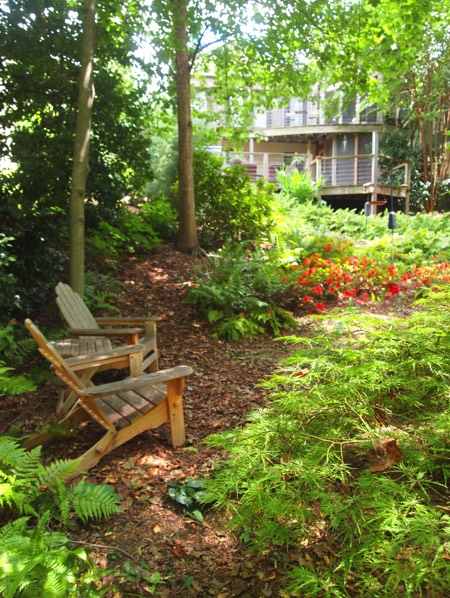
{"x": 355, "y": 168}
{"x": 266, "y": 166}
{"x": 251, "y": 150}
{"x": 309, "y": 157}
{"x": 375, "y": 138}
{"x": 334, "y": 162}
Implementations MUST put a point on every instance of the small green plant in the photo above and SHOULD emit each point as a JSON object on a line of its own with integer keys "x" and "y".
{"x": 141, "y": 575}
{"x": 36, "y": 557}
{"x": 298, "y": 186}
{"x": 191, "y": 494}
{"x": 101, "y": 290}
{"x": 241, "y": 292}
{"x": 14, "y": 351}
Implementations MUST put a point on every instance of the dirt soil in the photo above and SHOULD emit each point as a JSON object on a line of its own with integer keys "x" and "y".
{"x": 194, "y": 559}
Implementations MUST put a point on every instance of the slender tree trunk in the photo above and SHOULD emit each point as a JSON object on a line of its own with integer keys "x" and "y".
{"x": 80, "y": 168}
{"x": 187, "y": 240}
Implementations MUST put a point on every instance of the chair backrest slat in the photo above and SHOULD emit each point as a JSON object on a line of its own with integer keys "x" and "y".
{"x": 74, "y": 310}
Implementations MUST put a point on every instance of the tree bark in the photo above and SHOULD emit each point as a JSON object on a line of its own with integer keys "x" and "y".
{"x": 187, "y": 238}
{"x": 80, "y": 169}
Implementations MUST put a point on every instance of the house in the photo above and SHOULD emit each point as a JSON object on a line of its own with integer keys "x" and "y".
{"x": 341, "y": 151}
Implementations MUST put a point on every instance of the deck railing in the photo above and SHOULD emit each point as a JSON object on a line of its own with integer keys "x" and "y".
{"x": 336, "y": 171}
{"x": 265, "y": 165}
{"x": 344, "y": 171}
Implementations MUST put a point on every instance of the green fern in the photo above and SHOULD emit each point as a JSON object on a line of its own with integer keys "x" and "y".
{"x": 30, "y": 486}
{"x": 94, "y": 502}
{"x": 59, "y": 470}
{"x": 33, "y": 561}
{"x": 13, "y": 385}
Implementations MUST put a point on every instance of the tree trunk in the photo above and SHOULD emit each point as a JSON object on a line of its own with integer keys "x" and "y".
{"x": 80, "y": 168}
{"x": 187, "y": 239}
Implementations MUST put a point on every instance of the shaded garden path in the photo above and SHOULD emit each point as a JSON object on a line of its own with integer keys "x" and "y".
{"x": 195, "y": 559}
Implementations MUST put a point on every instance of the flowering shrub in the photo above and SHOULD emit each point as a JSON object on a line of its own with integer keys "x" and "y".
{"x": 321, "y": 282}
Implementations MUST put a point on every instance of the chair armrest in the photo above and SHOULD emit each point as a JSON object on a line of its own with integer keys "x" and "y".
{"x": 139, "y": 381}
{"x": 104, "y": 331}
{"x": 97, "y": 359}
{"x": 128, "y": 321}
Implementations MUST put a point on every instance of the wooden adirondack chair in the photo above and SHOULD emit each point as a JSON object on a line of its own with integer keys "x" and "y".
{"x": 93, "y": 335}
{"x": 124, "y": 409}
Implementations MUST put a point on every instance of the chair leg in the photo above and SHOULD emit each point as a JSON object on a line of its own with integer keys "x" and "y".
{"x": 93, "y": 455}
{"x": 72, "y": 419}
{"x": 175, "y": 411}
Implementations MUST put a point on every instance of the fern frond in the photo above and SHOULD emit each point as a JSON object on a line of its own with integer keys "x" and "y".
{"x": 59, "y": 470}
{"x": 13, "y": 457}
{"x": 28, "y": 465}
{"x": 12, "y": 528}
{"x": 94, "y": 502}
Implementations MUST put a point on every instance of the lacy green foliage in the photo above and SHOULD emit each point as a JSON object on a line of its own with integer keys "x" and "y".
{"x": 228, "y": 206}
{"x": 303, "y": 229}
{"x": 33, "y": 560}
{"x": 298, "y": 186}
{"x": 299, "y": 471}
{"x": 241, "y": 293}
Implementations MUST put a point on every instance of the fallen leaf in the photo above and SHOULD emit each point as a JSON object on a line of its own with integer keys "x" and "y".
{"x": 384, "y": 454}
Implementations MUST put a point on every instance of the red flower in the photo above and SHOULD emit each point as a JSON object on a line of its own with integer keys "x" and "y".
{"x": 294, "y": 267}
{"x": 347, "y": 293}
{"x": 320, "y": 306}
{"x": 394, "y": 289}
{"x": 327, "y": 247}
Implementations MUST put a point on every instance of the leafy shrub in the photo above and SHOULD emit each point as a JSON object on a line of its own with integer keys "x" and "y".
{"x": 298, "y": 186}
{"x": 35, "y": 556}
{"x": 348, "y": 466}
{"x": 160, "y": 215}
{"x": 34, "y": 255}
{"x": 241, "y": 293}
{"x": 130, "y": 231}
{"x": 228, "y": 206}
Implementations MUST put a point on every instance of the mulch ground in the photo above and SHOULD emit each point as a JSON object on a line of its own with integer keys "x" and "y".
{"x": 194, "y": 559}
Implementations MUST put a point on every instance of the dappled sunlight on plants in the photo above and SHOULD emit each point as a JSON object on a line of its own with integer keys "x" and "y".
{"x": 348, "y": 465}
